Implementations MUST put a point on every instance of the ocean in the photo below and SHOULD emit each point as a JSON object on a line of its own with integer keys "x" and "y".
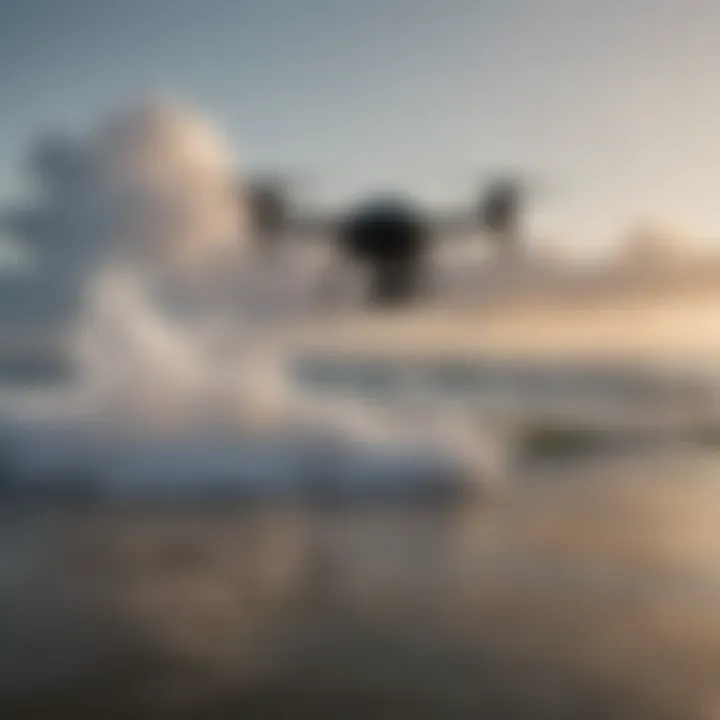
{"x": 511, "y": 539}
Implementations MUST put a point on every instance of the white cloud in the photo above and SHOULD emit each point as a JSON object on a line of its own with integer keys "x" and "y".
{"x": 153, "y": 182}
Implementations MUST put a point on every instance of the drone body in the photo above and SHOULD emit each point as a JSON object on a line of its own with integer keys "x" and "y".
{"x": 389, "y": 237}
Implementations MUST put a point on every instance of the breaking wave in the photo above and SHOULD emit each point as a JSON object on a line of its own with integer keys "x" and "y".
{"x": 181, "y": 341}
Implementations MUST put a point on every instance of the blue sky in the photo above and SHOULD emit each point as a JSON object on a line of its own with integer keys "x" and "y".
{"x": 616, "y": 103}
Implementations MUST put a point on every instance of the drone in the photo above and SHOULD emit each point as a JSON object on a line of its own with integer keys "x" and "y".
{"x": 388, "y": 235}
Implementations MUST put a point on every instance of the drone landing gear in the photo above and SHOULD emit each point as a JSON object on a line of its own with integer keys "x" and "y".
{"x": 394, "y": 285}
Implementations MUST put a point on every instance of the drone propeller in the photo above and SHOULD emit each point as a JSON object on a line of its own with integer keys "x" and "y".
{"x": 270, "y": 195}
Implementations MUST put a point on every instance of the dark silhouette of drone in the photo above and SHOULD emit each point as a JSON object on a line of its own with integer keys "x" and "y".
{"x": 388, "y": 235}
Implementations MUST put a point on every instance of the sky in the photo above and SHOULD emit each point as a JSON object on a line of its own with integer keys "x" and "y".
{"x": 613, "y": 106}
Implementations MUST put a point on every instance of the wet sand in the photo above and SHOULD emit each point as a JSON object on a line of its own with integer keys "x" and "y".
{"x": 573, "y": 594}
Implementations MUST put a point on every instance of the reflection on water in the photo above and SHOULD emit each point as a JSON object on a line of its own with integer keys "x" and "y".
{"x": 580, "y": 597}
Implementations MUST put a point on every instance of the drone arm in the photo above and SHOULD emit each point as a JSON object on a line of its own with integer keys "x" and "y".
{"x": 458, "y": 223}
{"x": 313, "y": 227}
